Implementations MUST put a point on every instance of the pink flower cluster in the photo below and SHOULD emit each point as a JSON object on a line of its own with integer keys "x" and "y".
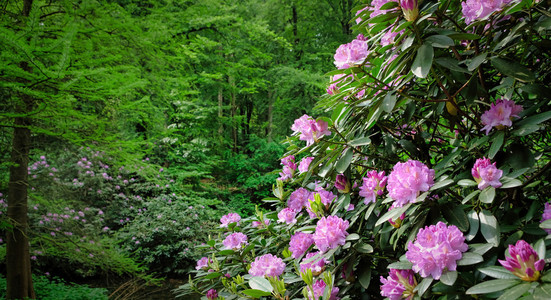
{"x": 481, "y": 9}
{"x": 289, "y": 168}
{"x": 298, "y": 199}
{"x": 299, "y": 244}
{"x": 399, "y": 285}
{"x": 202, "y": 263}
{"x": 305, "y": 164}
{"x": 523, "y": 262}
{"x": 229, "y": 218}
{"x": 436, "y": 250}
{"x": 351, "y": 54}
{"x": 390, "y": 35}
{"x": 373, "y": 185}
{"x": 287, "y": 215}
{"x": 315, "y": 265}
{"x": 310, "y": 130}
{"x": 546, "y": 215}
{"x": 407, "y": 180}
{"x": 319, "y": 289}
{"x": 486, "y": 174}
{"x": 326, "y": 198}
{"x": 235, "y": 241}
{"x": 500, "y": 114}
{"x": 375, "y": 9}
{"x": 267, "y": 265}
{"x": 330, "y": 233}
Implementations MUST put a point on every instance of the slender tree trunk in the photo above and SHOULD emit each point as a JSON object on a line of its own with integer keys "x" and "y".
{"x": 270, "y": 116}
{"x": 19, "y": 284}
{"x": 18, "y": 262}
{"x": 220, "y": 112}
{"x": 233, "y": 111}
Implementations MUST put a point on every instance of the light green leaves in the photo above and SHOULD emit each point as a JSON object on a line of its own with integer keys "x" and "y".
{"x": 492, "y": 286}
{"x": 423, "y": 61}
{"x": 489, "y": 227}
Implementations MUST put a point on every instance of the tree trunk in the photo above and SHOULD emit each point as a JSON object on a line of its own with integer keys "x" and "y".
{"x": 19, "y": 283}
{"x": 18, "y": 262}
{"x": 220, "y": 112}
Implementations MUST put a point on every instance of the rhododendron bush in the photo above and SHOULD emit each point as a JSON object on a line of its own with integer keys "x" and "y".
{"x": 427, "y": 178}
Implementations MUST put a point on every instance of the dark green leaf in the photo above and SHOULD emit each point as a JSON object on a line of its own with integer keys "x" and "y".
{"x": 450, "y": 63}
{"x": 464, "y": 36}
{"x": 360, "y": 142}
{"x": 440, "y": 41}
{"x": 256, "y": 293}
{"x": 515, "y": 292}
{"x": 388, "y": 102}
{"x": 456, "y": 216}
{"x": 392, "y": 214}
{"x": 422, "y": 287}
{"x": 513, "y": 69}
{"x": 537, "y": 119}
{"x": 441, "y": 184}
{"x": 474, "y": 224}
{"x": 492, "y": 286}
{"x": 497, "y": 142}
{"x": 365, "y": 277}
{"x": 364, "y": 248}
{"x": 489, "y": 227}
{"x": 400, "y": 265}
{"x": 344, "y": 160}
{"x": 480, "y": 248}
{"x": 423, "y": 61}
{"x": 477, "y": 61}
{"x": 213, "y": 275}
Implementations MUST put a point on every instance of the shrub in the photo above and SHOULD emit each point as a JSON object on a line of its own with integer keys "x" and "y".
{"x": 430, "y": 95}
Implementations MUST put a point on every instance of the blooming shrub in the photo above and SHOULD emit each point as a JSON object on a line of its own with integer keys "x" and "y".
{"x": 460, "y": 93}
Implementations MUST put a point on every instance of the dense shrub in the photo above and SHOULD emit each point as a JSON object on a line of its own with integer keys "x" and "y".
{"x": 429, "y": 180}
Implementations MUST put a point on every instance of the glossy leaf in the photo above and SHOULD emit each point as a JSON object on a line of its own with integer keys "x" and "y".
{"x": 423, "y": 61}
{"x": 492, "y": 286}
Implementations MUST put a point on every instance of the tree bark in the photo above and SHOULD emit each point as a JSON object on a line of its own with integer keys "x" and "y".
{"x": 18, "y": 262}
{"x": 19, "y": 284}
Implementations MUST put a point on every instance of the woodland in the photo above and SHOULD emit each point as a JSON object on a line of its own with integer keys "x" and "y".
{"x": 275, "y": 149}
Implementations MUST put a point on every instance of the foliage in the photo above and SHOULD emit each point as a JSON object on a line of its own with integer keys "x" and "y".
{"x": 425, "y": 96}
{"x": 57, "y": 289}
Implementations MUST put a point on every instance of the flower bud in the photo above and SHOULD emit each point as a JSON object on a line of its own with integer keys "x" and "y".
{"x": 342, "y": 184}
{"x": 410, "y": 8}
{"x": 524, "y": 261}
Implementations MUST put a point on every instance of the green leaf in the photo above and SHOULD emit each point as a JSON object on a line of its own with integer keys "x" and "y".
{"x": 470, "y": 258}
{"x": 526, "y": 130}
{"x": 389, "y": 5}
{"x": 539, "y": 247}
{"x": 364, "y": 248}
{"x": 440, "y": 41}
{"x": 392, "y": 214}
{"x": 256, "y": 293}
{"x": 496, "y": 144}
{"x": 441, "y": 184}
{"x": 543, "y": 292}
{"x": 226, "y": 252}
{"x": 489, "y": 227}
{"x": 423, "y": 61}
{"x": 477, "y": 61}
{"x": 464, "y": 36}
{"x": 422, "y": 287}
{"x": 487, "y": 195}
{"x": 515, "y": 292}
{"x": 344, "y": 161}
{"x": 449, "y": 278}
{"x": 213, "y": 275}
{"x": 546, "y": 224}
{"x": 400, "y": 265}
{"x": 474, "y": 224}
{"x": 456, "y": 216}
{"x": 337, "y": 111}
{"x": 492, "y": 286}
{"x": 353, "y": 237}
{"x": 388, "y": 102}
{"x": 470, "y": 196}
{"x": 365, "y": 277}
{"x": 510, "y": 182}
{"x": 513, "y": 69}
{"x": 360, "y": 142}
{"x": 450, "y": 63}
{"x": 480, "y": 248}
{"x": 498, "y": 272}
{"x": 467, "y": 182}
{"x": 260, "y": 283}
{"x": 537, "y": 119}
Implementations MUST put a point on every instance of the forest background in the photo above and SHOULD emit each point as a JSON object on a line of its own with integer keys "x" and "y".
{"x": 138, "y": 123}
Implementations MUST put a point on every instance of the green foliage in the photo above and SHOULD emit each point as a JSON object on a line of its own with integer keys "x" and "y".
{"x": 57, "y": 289}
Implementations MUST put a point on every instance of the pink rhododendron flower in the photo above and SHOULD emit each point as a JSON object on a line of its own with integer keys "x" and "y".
{"x": 481, "y": 9}
{"x": 342, "y": 184}
{"x": 330, "y": 233}
{"x": 316, "y": 265}
{"x": 305, "y": 164}
{"x": 202, "y": 263}
{"x": 546, "y": 216}
{"x": 410, "y": 8}
{"x": 351, "y": 54}
{"x": 436, "y": 250}
{"x": 500, "y": 114}
{"x": 298, "y": 199}
{"x": 235, "y": 241}
{"x": 333, "y": 87}
{"x": 486, "y": 174}
{"x": 399, "y": 285}
{"x": 267, "y": 265}
{"x": 523, "y": 262}
{"x": 300, "y": 242}
{"x": 230, "y": 218}
{"x": 287, "y": 215}
{"x": 289, "y": 168}
{"x": 319, "y": 289}
{"x": 389, "y": 36}
{"x": 212, "y": 294}
{"x": 310, "y": 130}
{"x": 255, "y": 224}
{"x": 373, "y": 185}
{"x": 407, "y": 180}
